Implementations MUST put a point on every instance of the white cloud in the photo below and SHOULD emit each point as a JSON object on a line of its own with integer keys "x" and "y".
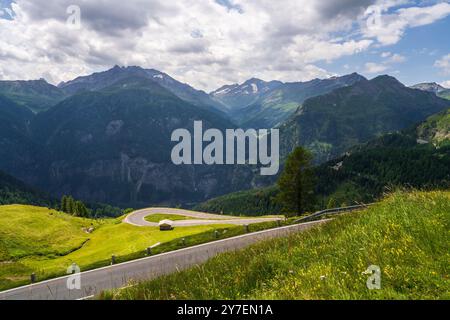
{"x": 199, "y": 42}
{"x": 390, "y": 59}
{"x": 446, "y": 84}
{"x": 388, "y": 27}
{"x": 444, "y": 64}
{"x": 396, "y": 58}
{"x": 373, "y": 68}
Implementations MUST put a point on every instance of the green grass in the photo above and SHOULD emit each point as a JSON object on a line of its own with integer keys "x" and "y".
{"x": 47, "y": 242}
{"x": 35, "y": 239}
{"x": 159, "y": 217}
{"x": 28, "y": 230}
{"x": 407, "y": 235}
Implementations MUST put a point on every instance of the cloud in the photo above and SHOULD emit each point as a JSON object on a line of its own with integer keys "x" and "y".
{"x": 343, "y": 8}
{"x": 204, "y": 43}
{"x": 374, "y": 68}
{"x": 389, "y": 60}
{"x": 446, "y": 84}
{"x": 443, "y": 64}
{"x": 396, "y": 58}
{"x": 392, "y": 57}
{"x": 103, "y": 16}
{"x": 388, "y": 27}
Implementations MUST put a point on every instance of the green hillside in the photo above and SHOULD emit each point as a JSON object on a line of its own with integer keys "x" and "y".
{"x": 445, "y": 94}
{"x": 36, "y": 95}
{"x": 254, "y": 202}
{"x": 330, "y": 124}
{"x": 28, "y": 230}
{"x": 436, "y": 129}
{"x": 360, "y": 176}
{"x": 13, "y": 191}
{"x": 406, "y": 235}
{"x": 365, "y": 172}
{"x": 18, "y": 153}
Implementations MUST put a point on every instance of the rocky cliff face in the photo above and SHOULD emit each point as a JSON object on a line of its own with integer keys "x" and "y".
{"x": 133, "y": 181}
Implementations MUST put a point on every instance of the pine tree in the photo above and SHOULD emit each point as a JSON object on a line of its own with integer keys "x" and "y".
{"x": 70, "y": 205}
{"x": 64, "y": 204}
{"x": 81, "y": 210}
{"x": 296, "y": 183}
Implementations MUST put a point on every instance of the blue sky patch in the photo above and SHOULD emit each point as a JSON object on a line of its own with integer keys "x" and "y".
{"x": 6, "y": 11}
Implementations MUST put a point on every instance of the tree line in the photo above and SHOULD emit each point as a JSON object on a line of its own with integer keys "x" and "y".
{"x": 74, "y": 207}
{"x": 363, "y": 176}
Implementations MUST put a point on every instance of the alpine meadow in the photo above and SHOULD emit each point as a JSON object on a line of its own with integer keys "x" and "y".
{"x": 225, "y": 158}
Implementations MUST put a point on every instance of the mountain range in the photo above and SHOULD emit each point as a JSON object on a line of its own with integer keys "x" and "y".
{"x": 36, "y": 95}
{"x": 238, "y": 96}
{"x": 332, "y": 123}
{"x": 433, "y": 87}
{"x": 104, "y": 79}
{"x": 105, "y": 137}
{"x": 259, "y": 104}
{"x": 417, "y": 157}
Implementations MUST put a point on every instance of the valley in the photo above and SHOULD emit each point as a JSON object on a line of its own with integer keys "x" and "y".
{"x": 109, "y": 139}
{"x": 224, "y": 150}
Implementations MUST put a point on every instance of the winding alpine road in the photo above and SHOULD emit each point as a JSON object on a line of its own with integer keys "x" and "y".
{"x": 137, "y": 218}
{"x": 120, "y": 275}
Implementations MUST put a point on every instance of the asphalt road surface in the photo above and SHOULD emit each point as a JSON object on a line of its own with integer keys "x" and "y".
{"x": 137, "y": 218}
{"x": 117, "y": 276}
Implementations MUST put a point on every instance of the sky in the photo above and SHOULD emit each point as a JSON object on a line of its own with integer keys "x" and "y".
{"x": 209, "y": 43}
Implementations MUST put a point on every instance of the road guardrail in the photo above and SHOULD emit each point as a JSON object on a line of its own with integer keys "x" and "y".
{"x": 331, "y": 212}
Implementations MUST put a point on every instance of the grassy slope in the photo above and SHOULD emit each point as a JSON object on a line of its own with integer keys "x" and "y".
{"x": 436, "y": 128}
{"x": 159, "y": 217}
{"x": 27, "y": 230}
{"x": 406, "y": 235}
{"x": 34, "y": 239}
{"x": 445, "y": 94}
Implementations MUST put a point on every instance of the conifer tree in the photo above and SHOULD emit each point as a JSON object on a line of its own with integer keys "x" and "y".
{"x": 296, "y": 183}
